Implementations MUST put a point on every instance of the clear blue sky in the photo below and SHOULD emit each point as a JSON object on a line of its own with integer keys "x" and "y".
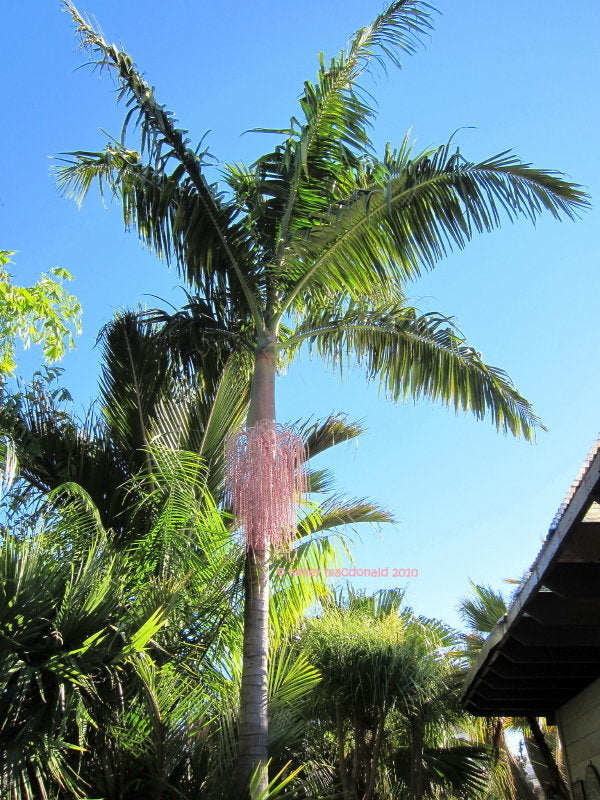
{"x": 522, "y": 74}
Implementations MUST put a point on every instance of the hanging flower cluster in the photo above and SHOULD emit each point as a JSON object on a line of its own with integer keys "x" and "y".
{"x": 265, "y": 476}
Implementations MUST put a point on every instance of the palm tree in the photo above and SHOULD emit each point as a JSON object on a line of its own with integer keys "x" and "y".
{"x": 481, "y": 613}
{"x": 314, "y": 243}
{"x": 388, "y": 699}
{"x": 71, "y": 630}
{"x": 90, "y": 706}
{"x": 158, "y": 503}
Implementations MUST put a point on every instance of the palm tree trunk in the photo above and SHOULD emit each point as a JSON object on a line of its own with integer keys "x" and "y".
{"x": 253, "y": 722}
{"x": 417, "y": 776}
{"x": 374, "y": 763}
{"x": 348, "y": 785}
{"x": 544, "y": 764}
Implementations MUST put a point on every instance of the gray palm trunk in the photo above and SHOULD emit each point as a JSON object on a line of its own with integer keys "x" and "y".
{"x": 253, "y": 721}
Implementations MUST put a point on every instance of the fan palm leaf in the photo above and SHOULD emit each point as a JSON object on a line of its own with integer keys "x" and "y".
{"x": 68, "y": 629}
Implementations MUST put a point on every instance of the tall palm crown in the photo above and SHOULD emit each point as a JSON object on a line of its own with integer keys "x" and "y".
{"x": 315, "y": 243}
{"x": 318, "y": 238}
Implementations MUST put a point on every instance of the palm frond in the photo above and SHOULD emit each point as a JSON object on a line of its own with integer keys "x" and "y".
{"x": 134, "y": 376}
{"x": 202, "y": 334}
{"x": 300, "y": 579}
{"x": 318, "y": 161}
{"x": 321, "y": 435}
{"x": 454, "y": 770}
{"x": 482, "y": 612}
{"x": 162, "y": 141}
{"x": 54, "y": 448}
{"x": 69, "y": 627}
{"x": 228, "y": 409}
{"x": 387, "y": 234}
{"x": 337, "y": 512}
{"x": 418, "y": 356}
{"x": 320, "y": 480}
{"x": 291, "y": 680}
{"x": 164, "y": 384}
{"x": 278, "y": 786}
{"x": 166, "y": 211}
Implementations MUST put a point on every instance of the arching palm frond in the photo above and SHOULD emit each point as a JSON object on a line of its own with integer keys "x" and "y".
{"x": 175, "y": 383}
{"x": 507, "y": 777}
{"x": 159, "y": 741}
{"x": 210, "y": 354}
{"x": 227, "y": 252}
{"x": 301, "y": 579}
{"x": 321, "y": 435}
{"x": 135, "y": 375}
{"x": 418, "y": 356}
{"x": 291, "y": 681}
{"x": 339, "y": 511}
{"x": 163, "y": 208}
{"x": 393, "y": 229}
{"x": 228, "y": 411}
{"x": 202, "y": 334}
{"x": 320, "y": 480}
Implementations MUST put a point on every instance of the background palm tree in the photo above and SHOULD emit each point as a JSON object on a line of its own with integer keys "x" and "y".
{"x": 481, "y": 613}
{"x": 385, "y": 714}
{"x": 314, "y": 243}
{"x": 157, "y": 509}
{"x": 73, "y": 623}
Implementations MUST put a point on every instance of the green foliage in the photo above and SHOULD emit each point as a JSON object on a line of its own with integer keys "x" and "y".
{"x": 44, "y": 314}
{"x": 68, "y": 630}
{"x": 483, "y": 610}
{"x": 393, "y": 656}
{"x": 315, "y": 242}
{"x": 385, "y": 714}
{"x": 122, "y": 474}
{"x": 320, "y": 231}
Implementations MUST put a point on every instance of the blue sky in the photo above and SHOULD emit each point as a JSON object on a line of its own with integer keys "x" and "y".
{"x": 521, "y": 75}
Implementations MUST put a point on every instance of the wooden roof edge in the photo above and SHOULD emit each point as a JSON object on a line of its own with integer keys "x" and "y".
{"x": 570, "y": 514}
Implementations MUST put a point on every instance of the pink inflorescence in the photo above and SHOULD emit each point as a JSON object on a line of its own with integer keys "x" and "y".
{"x": 264, "y": 467}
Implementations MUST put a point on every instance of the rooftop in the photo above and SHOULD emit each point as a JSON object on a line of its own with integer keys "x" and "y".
{"x": 547, "y": 647}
